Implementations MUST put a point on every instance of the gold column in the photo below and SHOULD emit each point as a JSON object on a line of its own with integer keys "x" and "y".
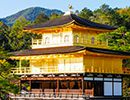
{"x": 20, "y": 66}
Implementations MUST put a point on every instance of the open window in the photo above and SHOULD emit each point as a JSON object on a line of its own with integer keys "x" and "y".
{"x": 92, "y": 40}
{"x": 47, "y": 40}
{"x": 76, "y": 38}
{"x": 66, "y": 38}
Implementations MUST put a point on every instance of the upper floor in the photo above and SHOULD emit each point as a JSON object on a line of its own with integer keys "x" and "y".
{"x": 73, "y": 37}
{"x": 68, "y": 30}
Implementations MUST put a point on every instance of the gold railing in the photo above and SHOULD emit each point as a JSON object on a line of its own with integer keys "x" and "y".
{"x": 40, "y": 44}
{"x": 21, "y": 70}
{"x": 28, "y": 70}
{"x": 89, "y": 43}
{"x": 36, "y": 41}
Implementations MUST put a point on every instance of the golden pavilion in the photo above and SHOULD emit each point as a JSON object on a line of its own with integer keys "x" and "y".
{"x": 69, "y": 61}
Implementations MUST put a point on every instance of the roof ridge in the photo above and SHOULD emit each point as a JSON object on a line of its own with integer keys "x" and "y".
{"x": 72, "y": 17}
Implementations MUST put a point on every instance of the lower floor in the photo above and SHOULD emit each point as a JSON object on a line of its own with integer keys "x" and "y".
{"x": 89, "y": 85}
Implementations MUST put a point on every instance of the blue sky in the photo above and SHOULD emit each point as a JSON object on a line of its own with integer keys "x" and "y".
{"x": 8, "y": 7}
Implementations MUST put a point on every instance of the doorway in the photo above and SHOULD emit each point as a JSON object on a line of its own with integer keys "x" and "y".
{"x": 98, "y": 88}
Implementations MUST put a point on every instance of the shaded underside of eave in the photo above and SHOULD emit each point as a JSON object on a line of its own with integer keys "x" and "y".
{"x": 70, "y": 49}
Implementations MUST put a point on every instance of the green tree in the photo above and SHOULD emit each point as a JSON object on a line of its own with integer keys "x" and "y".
{"x": 18, "y": 38}
{"x": 41, "y": 18}
{"x": 85, "y": 13}
{"x": 4, "y": 36}
{"x": 118, "y": 39}
{"x": 54, "y": 16}
{"x": 124, "y": 11}
{"x": 125, "y": 17}
{"x": 106, "y": 15}
{"x": 6, "y": 78}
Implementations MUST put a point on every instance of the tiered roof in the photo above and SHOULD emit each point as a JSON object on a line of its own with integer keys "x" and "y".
{"x": 67, "y": 49}
{"x": 69, "y": 19}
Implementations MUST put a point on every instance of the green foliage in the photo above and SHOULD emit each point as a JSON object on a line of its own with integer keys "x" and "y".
{"x": 126, "y": 86}
{"x": 106, "y": 15}
{"x": 54, "y": 16}
{"x": 125, "y": 21}
{"x": 6, "y": 78}
{"x": 41, "y": 18}
{"x": 25, "y": 86}
{"x": 4, "y": 32}
{"x": 25, "y": 63}
{"x": 118, "y": 39}
{"x": 126, "y": 63}
{"x": 85, "y": 13}
{"x": 19, "y": 39}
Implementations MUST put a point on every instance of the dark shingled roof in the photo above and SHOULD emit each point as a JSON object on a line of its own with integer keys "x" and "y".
{"x": 67, "y": 49}
{"x": 46, "y": 51}
{"x": 108, "y": 51}
{"x": 72, "y": 18}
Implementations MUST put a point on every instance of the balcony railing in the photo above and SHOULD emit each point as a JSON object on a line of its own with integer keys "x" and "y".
{"x": 66, "y": 94}
{"x": 29, "y": 70}
{"x": 54, "y": 70}
{"x": 21, "y": 70}
{"x": 39, "y": 43}
{"x": 89, "y": 43}
{"x": 36, "y": 41}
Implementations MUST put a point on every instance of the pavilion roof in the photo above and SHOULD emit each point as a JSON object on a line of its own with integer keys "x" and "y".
{"x": 69, "y": 19}
{"x": 67, "y": 49}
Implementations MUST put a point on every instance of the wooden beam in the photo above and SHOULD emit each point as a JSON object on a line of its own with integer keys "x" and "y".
{"x": 52, "y": 78}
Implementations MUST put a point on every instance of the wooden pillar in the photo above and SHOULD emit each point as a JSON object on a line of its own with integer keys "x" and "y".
{"x": 82, "y": 86}
{"x": 57, "y": 87}
{"x": 68, "y": 86}
{"x": 30, "y": 85}
{"x": 20, "y": 87}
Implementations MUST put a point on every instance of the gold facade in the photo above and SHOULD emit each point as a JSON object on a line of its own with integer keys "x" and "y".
{"x": 71, "y": 63}
{"x": 71, "y": 35}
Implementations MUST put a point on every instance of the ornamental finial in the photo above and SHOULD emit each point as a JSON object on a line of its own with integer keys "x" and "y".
{"x": 70, "y": 7}
{"x": 70, "y": 10}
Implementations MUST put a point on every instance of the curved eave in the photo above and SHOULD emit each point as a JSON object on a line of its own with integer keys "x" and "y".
{"x": 107, "y": 53}
{"x": 81, "y": 27}
{"x": 72, "y": 25}
{"x": 35, "y": 30}
{"x": 55, "y": 51}
{"x": 45, "y": 56}
{"x": 48, "y": 52}
{"x": 66, "y": 21}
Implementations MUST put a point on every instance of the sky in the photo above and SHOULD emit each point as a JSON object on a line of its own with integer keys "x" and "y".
{"x": 9, "y": 7}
